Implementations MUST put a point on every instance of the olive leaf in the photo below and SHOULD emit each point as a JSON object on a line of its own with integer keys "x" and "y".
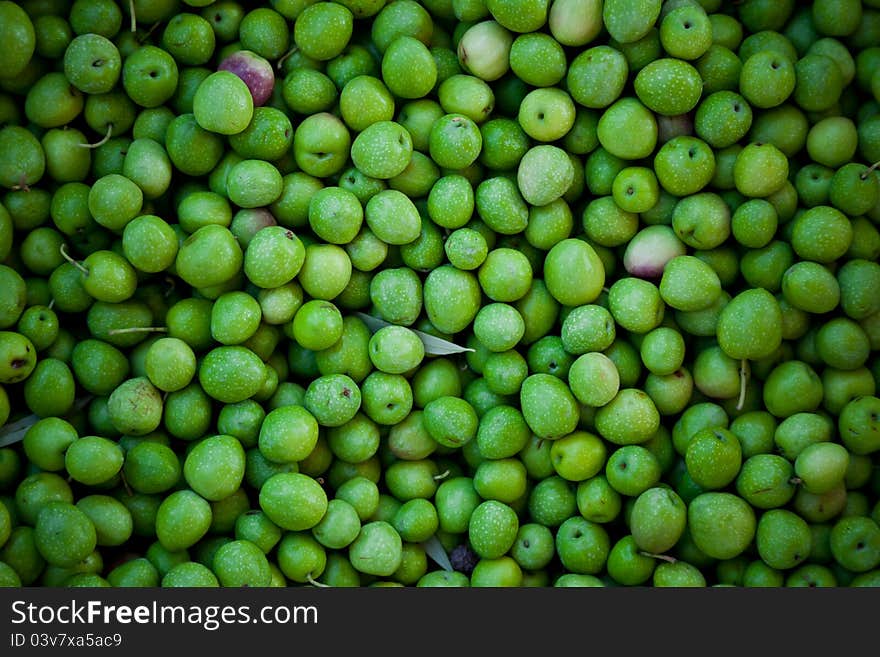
{"x": 15, "y": 431}
{"x": 435, "y": 550}
{"x": 434, "y": 346}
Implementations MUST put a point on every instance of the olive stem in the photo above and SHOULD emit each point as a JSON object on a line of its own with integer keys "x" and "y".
{"x": 125, "y": 484}
{"x": 315, "y": 582}
{"x": 285, "y": 57}
{"x": 442, "y": 475}
{"x": 22, "y": 185}
{"x": 664, "y": 557}
{"x": 146, "y": 35}
{"x": 744, "y": 371}
{"x": 63, "y": 250}
{"x": 102, "y": 141}
{"x": 867, "y": 172}
{"x": 138, "y": 329}
{"x": 133, "y": 18}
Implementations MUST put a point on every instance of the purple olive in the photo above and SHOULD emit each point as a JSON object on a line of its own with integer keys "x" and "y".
{"x": 650, "y": 249}
{"x": 254, "y": 70}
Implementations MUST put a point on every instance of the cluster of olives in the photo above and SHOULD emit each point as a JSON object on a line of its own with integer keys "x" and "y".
{"x": 439, "y": 293}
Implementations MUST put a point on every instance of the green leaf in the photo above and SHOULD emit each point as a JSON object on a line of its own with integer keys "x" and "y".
{"x": 435, "y": 550}
{"x": 434, "y": 346}
{"x": 15, "y": 431}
